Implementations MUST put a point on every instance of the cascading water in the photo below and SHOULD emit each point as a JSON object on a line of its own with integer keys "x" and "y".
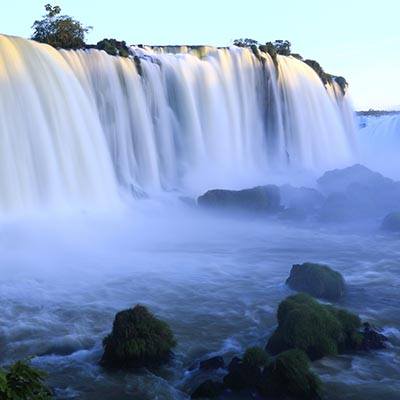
{"x": 380, "y": 143}
{"x": 74, "y": 123}
{"x": 52, "y": 148}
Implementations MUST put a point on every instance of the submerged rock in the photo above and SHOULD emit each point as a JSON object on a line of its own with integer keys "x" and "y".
{"x": 258, "y": 199}
{"x": 392, "y": 222}
{"x": 208, "y": 390}
{"x": 289, "y": 375}
{"x": 212, "y": 363}
{"x": 317, "y": 329}
{"x": 317, "y": 280}
{"x": 246, "y": 373}
{"x": 372, "y": 340}
{"x": 137, "y": 339}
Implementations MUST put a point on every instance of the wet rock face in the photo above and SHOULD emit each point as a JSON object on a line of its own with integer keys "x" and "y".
{"x": 289, "y": 376}
{"x": 258, "y": 199}
{"x": 372, "y": 339}
{"x": 137, "y": 339}
{"x": 391, "y": 222}
{"x": 318, "y": 280}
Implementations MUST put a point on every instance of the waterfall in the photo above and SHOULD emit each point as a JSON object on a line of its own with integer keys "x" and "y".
{"x": 380, "y": 143}
{"x": 83, "y": 127}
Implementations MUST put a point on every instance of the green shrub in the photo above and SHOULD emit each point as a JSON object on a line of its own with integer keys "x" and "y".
{"x": 22, "y": 382}
{"x": 289, "y": 375}
{"x": 138, "y": 339}
{"x": 317, "y": 329}
{"x": 113, "y": 47}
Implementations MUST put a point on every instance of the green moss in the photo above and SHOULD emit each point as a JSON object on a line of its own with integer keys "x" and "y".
{"x": 138, "y": 339}
{"x": 22, "y": 382}
{"x": 317, "y": 280}
{"x": 289, "y": 375}
{"x": 255, "y": 357}
{"x": 317, "y": 329}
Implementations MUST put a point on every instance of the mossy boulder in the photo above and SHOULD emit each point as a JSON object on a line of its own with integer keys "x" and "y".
{"x": 317, "y": 329}
{"x": 258, "y": 199}
{"x": 23, "y": 382}
{"x": 289, "y": 376}
{"x": 391, "y": 222}
{"x": 137, "y": 339}
{"x": 317, "y": 280}
{"x": 255, "y": 357}
{"x": 246, "y": 373}
{"x": 208, "y": 390}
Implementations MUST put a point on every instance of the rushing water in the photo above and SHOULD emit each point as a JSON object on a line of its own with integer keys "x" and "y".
{"x": 217, "y": 281}
{"x": 82, "y": 132}
{"x": 380, "y": 143}
{"x": 85, "y": 128}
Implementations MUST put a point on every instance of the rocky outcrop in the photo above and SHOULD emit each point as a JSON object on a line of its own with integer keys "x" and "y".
{"x": 260, "y": 199}
{"x": 137, "y": 339}
{"x": 319, "y": 330}
{"x": 289, "y": 376}
{"x": 318, "y": 280}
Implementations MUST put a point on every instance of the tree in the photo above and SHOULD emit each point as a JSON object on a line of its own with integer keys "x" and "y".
{"x": 59, "y": 31}
{"x": 282, "y": 47}
{"x": 245, "y": 42}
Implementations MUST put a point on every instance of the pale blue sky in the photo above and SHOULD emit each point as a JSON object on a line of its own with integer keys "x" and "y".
{"x": 357, "y": 39}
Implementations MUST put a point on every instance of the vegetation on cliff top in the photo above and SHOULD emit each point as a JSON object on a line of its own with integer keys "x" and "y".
{"x": 283, "y": 48}
{"x": 59, "y": 31}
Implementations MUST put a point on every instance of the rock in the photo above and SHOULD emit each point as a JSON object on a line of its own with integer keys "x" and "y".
{"x": 372, "y": 340}
{"x": 303, "y": 198}
{"x": 212, "y": 363}
{"x": 208, "y": 390}
{"x": 255, "y": 357}
{"x": 317, "y": 329}
{"x": 357, "y": 193}
{"x": 317, "y": 280}
{"x": 258, "y": 199}
{"x": 392, "y": 222}
{"x": 339, "y": 180}
{"x": 289, "y": 376}
{"x": 137, "y": 339}
{"x": 246, "y": 373}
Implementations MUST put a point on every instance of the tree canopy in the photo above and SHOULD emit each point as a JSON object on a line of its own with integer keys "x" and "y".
{"x": 59, "y": 31}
